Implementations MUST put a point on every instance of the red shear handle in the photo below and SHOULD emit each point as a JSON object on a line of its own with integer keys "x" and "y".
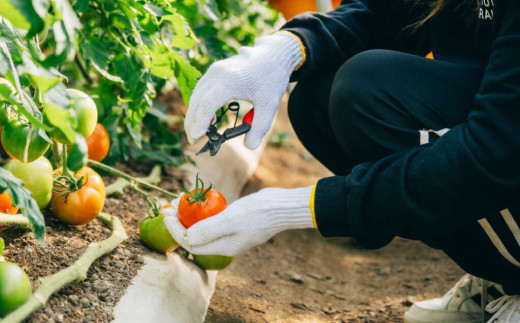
{"x": 248, "y": 118}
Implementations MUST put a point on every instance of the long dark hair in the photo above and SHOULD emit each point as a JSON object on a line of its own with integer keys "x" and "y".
{"x": 439, "y": 6}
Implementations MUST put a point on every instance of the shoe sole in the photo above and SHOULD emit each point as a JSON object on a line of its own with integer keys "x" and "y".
{"x": 415, "y": 321}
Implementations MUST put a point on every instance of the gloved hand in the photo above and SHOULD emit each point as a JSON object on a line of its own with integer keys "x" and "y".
{"x": 247, "y": 222}
{"x": 258, "y": 74}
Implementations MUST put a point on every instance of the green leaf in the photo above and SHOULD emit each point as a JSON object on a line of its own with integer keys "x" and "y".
{"x": 135, "y": 135}
{"x": 78, "y": 155}
{"x": 181, "y": 38}
{"x": 22, "y": 198}
{"x": 22, "y": 15}
{"x": 57, "y": 113}
{"x": 81, "y": 5}
{"x": 186, "y": 76}
{"x": 2, "y": 246}
{"x": 155, "y": 10}
{"x": 99, "y": 56}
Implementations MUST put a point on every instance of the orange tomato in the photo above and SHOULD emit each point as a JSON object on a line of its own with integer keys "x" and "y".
{"x": 192, "y": 212}
{"x": 6, "y": 204}
{"x": 98, "y": 143}
{"x": 291, "y": 8}
{"x": 83, "y": 205}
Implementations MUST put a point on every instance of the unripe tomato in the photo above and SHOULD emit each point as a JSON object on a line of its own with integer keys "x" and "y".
{"x": 155, "y": 235}
{"x": 98, "y": 143}
{"x": 192, "y": 212}
{"x": 15, "y": 287}
{"x": 22, "y": 142}
{"x": 37, "y": 176}
{"x": 212, "y": 262}
{"x": 6, "y": 204}
{"x": 83, "y": 205}
{"x": 86, "y": 114}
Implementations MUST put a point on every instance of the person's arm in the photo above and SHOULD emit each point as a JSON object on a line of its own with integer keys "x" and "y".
{"x": 471, "y": 172}
{"x": 358, "y": 25}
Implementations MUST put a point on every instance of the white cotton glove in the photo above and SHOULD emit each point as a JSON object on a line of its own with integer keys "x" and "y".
{"x": 258, "y": 74}
{"x": 247, "y": 222}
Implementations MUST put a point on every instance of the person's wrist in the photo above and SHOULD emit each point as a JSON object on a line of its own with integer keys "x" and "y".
{"x": 284, "y": 50}
{"x": 289, "y": 209}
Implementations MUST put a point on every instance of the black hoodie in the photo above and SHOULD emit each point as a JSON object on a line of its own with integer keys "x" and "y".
{"x": 472, "y": 171}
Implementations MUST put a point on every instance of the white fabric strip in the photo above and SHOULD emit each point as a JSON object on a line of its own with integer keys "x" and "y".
{"x": 497, "y": 242}
{"x": 511, "y": 223}
{"x": 424, "y": 135}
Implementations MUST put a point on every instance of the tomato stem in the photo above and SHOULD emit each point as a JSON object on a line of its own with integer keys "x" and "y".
{"x": 156, "y": 209}
{"x": 199, "y": 194}
{"x": 64, "y": 156}
{"x": 130, "y": 178}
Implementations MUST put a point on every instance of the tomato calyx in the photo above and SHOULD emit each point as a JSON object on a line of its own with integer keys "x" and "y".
{"x": 198, "y": 195}
{"x": 64, "y": 184}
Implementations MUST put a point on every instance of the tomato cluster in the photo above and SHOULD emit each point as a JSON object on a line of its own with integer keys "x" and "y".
{"x": 197, "y": 205}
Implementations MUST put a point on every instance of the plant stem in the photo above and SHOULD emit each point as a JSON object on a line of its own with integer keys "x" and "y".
{"x": 146, "y": 196}
{"x": 14, "y": 220}
{"x": 64, "y": 161}
{"x": 82, "y": 69}
{"x": 129, "y": 178}
{"x": 118, "y": 187}
{"x": 57, "y": 154}
{"x": 77, "y": 272}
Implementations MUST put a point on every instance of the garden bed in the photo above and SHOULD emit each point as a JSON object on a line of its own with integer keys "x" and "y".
{"x": 92, "y": 299}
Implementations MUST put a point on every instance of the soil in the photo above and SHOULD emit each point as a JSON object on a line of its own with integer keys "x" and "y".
{"x": 93, "y": 299}
{"x": 298, "y": 276}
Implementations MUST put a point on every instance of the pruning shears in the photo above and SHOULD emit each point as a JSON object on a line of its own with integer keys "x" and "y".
{"x": 215, "y": 139}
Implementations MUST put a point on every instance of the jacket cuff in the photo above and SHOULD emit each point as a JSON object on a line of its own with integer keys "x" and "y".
{"x": 330, "y": 207}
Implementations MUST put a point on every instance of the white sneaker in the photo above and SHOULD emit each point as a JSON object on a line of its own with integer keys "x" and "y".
{"x": 462, "y": 304}
{"x": 506, "y": 309}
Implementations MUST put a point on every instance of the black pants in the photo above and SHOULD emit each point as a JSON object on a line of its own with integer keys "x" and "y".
{"x": 380, "y": 102}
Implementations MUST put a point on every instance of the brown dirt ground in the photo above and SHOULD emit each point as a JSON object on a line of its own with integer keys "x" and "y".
{"x": 298, "y": 276}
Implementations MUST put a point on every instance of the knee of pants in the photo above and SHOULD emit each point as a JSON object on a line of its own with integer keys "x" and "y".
{"x": 299, "y": 108}
{"x": 354, "y": 97}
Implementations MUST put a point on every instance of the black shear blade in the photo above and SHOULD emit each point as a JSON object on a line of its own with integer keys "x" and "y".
{"x": 215, "y": 140}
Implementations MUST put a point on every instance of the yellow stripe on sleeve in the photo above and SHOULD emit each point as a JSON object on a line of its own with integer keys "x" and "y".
{"x": 311, "y": 206}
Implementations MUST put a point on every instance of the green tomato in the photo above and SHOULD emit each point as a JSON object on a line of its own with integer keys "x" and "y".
{"x": 155, "y": 236}
{"x": 37, "y": 177}
{"x": 212, "y": 262}
{"x": 86, "y": 114}
{"x": 15, "y": 287}
{"x": 22, "y": 142}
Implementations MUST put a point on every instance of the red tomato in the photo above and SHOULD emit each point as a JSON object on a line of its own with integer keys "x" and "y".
{"x": 98, "y": 143}
{"x": 83, "y": 205}
{"x": 191, "y": 212}
{"x": 6, "y": 204}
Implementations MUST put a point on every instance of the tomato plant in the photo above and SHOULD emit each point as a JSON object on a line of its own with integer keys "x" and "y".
{"x": 78, "y": 201}
{"x": 15, "y": 287}
{"x": 98, "y": 143}
{"x": 37, "y": 176}
{"x": 155, "y": 235}
{"x": 6, "y": 204}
